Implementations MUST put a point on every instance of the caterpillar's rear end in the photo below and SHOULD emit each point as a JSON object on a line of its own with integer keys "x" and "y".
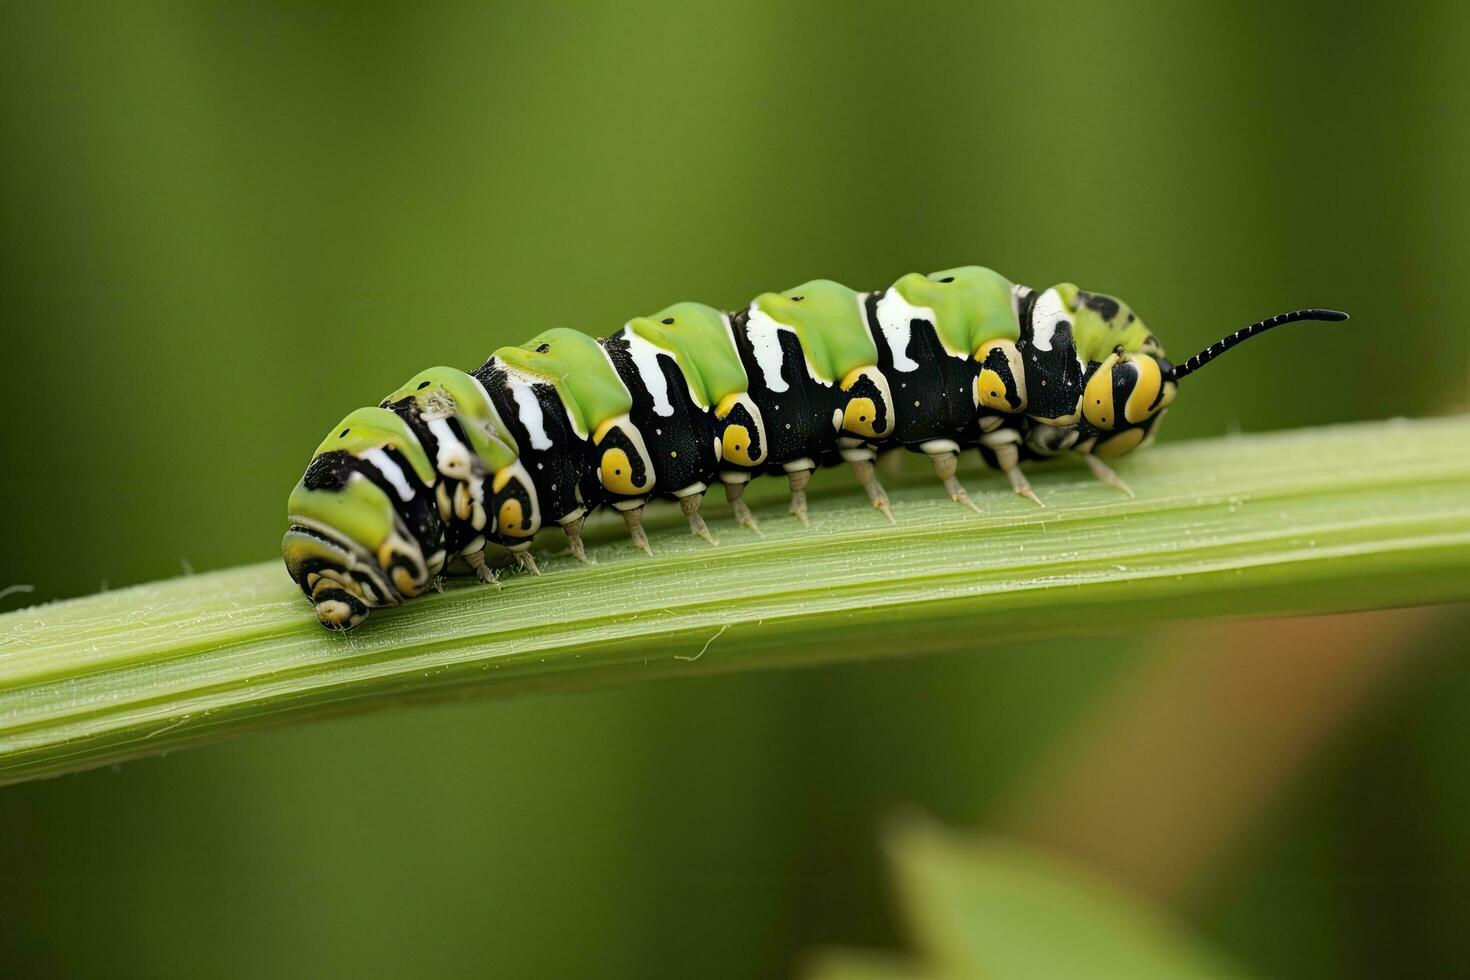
{"x": 397, "y": 491}
{"x": 453, "y": 463}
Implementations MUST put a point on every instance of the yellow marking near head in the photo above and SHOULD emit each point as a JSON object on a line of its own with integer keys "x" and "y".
{"x": 859, "y": 417}
{"x": 990, "y": 391}
{"x": 602, "y": 430}
{"x": 617, "y": 474}
{"x": 1123, "y": 442}
{"x": 404, "y": 582}
{"x": 735, "y": 445}
{"x": 402, "y": 576}
{"x": 1150, "y": 379}
{"x": 511, "y": 520}
{"x": 501, "y": 479}
{"x": 1097, "y": 397}
{"x": 990, "y": 387}
{"x": 861, "y": 414}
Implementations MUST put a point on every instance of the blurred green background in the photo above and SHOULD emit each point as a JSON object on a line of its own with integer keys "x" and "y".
{"x": 225, "y": 225}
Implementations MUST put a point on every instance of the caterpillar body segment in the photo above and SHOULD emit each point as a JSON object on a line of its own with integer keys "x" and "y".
{"x": 679, "y": 400}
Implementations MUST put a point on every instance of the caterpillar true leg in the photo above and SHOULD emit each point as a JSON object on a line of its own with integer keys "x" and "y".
{"x": 573, "y": 530}
{"x": 868, "y": 477}
{"x": 1105, "y": 473}
{"x": 483, "y": 572}
{"x": 798, "y": 480}
{"x": 526, "y": 560}
{"x": 633, "y": 517}
{"x": 945, "y": 464}
{"x": 739, "y": 507}
{"x": 689, "y": 504}
{"x": 1008, "y": 459}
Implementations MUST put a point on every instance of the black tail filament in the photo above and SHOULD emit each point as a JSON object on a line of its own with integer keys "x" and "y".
{"x": 1246, "y": 333}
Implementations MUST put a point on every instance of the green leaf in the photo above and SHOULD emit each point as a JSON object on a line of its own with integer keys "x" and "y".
{"x": 1322, "y": 520}
{"x": 997, "y": 910}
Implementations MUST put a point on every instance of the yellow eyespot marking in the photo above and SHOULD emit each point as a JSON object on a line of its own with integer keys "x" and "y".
{"x": 990, "y": 387}
{"x": 727, "y": 404}
{"x": 441, "y": 497}
{"x": 1097, "y": 397}
{"x": 404, "y": 582}
{"x": 735, "y": 445}
{"x": 860, "y": 416}
{"x": 617, "y": 473}
{"x": 992, "y": 391}
{"x": 1121, "y": 443}
{"x": 462, "y": 501}
{"x": 512, "y": 520}
{"x": 1150, "y": 379}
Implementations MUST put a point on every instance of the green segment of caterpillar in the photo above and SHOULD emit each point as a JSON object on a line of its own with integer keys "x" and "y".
{"x": 455, "y": 463}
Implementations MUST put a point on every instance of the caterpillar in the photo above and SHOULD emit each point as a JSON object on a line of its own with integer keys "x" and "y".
{"x": 543, "y": 433}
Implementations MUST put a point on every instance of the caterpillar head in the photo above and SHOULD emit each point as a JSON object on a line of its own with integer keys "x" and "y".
{"x": 1126, "y": 396}
{"x": 365, "y": 531}
{"x": 1128, "y": 389}
{"x": 1124, "y": 400}
{"x": 1091, "y": 363}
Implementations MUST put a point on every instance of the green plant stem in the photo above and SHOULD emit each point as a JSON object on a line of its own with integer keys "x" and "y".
{"x": 1321, "y": 520}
